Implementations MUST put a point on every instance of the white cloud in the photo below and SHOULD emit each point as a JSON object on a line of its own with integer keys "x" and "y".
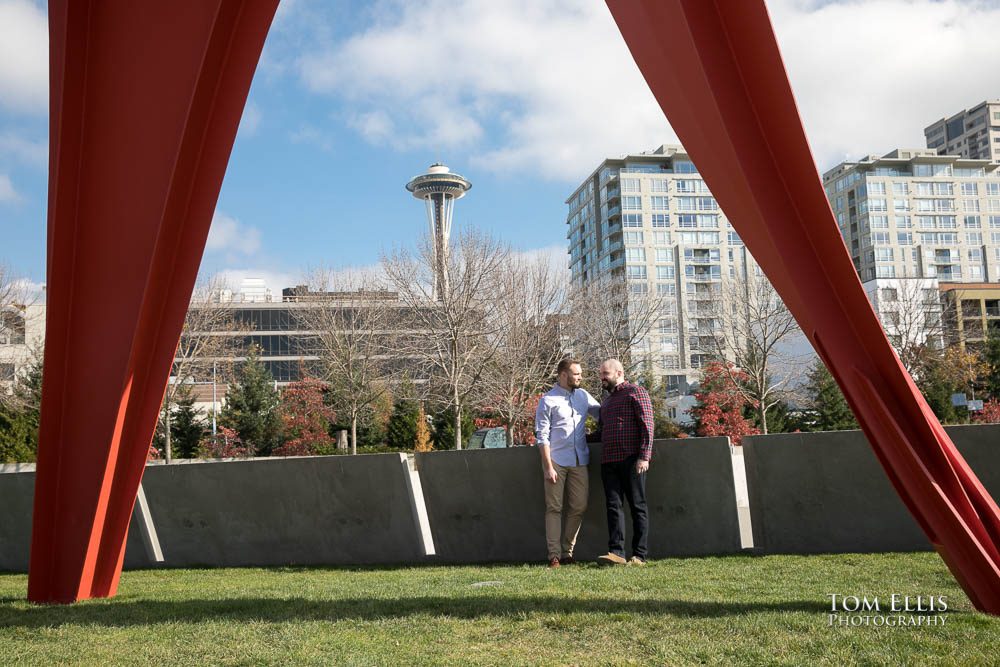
{"x": 554, "y": 77}
{"x": 250, "y": 120}
{"x": 24, "y": 57}
{"x": 7, "y": 192}
{"x": 869, "y": 76}
{"x": 229, "y": 235}
{"x": 549, "y": 86}
{"x": 556, "y": 257}
{"x": 35, "y": 153}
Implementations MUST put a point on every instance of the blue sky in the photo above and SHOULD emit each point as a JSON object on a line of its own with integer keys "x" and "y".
{"x": 523, "y": 97}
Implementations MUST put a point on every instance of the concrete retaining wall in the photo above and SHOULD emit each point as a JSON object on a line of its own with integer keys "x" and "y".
{"x": 692, "y": 503}
{"x": 808, "y": 493}
{"x": 308, "y": 511}
{"x": 827, "y": 492}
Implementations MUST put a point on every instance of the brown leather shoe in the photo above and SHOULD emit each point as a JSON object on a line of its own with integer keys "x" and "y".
{"x": 567, "y": 560}
{"x": 610, "y": 559}
{"x": 635, "y": 560}
{"x": 553, "y": 563}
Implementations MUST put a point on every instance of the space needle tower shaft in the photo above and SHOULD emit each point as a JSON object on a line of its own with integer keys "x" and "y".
{"x": 439, "y": 188}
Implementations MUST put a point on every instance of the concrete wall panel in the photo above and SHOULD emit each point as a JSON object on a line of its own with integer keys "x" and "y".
{"x": 689, "y": 490}
{"x": 827, "y": 492}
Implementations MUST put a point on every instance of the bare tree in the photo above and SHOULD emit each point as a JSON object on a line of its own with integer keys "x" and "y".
{"x": 205, "y": 348}
{"x": 456, "y": 334}
{"x": 609, "y": 319}
{"x": 16, "y": 301}
{"x": 911, "y": 314}
{"x": 531, "y": 297}
{"x": 351, "y": 317}
{"x": 752, "y": 324}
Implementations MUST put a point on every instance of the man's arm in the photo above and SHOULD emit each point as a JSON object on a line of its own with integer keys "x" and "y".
{"x": 643, "y": 407}
{"x": 542, "y": 427}
{"x": 593, "y": 406}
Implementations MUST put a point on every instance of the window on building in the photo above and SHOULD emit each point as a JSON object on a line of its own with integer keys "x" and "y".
{"x": 632, "y": 220}
{"x": 879, "y": 222}
{"x": 633, "y": 238}
{"x": 666, "y": 289}
{"x": 659, "y": 203}
{"x": 631, "y": 202}
{"x": 636, "y": 272}
{"x": 970, "y": 190}
{"x": 660, "y": 220}
{"x": 638, "y": 288}
{"x": 734, "y": 238}
{"x": 876, "y": 188}
{"x": 973, "y": 237}
{"x": 635, "y": 254}
{"x": 973, "y": 222}
{"x": 665, "y": 272}
{"x": 6, "y": 372}
{"x": 970, "y": 205}
{"x": 885, "y": 271}
{"x": 903, "y": 222}
{"x": 661, "y": 238}
{"x": 900, "y": 188}
{"x": 659, "y": 185}
{"x": 630, "y": 185}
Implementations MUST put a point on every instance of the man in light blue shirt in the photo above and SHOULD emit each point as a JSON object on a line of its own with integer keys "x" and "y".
{"x": 562, "y": 442}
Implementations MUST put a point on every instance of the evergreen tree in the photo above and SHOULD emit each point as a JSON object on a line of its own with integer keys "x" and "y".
{"x": 19, "y": 418}
{"x": 252, "y": 407}
{"x": 444, "y": 428}
{"x": 832, "y": 413}
{"x": 401, "y": 431}
{"x": 937, "y": 389}
{"x": 187, "y": 427}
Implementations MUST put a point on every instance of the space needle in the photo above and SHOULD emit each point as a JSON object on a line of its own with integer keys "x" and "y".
{"x": 439, "y": 188}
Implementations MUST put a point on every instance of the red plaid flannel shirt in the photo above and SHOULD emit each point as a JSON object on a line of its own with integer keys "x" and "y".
{"x": 627, "y": 424}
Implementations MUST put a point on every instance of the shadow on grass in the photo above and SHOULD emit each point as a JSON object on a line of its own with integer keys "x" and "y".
{"x": 138, "y": 613}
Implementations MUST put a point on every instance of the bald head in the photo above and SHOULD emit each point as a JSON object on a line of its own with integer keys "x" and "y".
{"x": 612, "y": 374}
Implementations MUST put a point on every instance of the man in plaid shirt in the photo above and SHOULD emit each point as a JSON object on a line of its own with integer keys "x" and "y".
{"x": 627, "y": 433}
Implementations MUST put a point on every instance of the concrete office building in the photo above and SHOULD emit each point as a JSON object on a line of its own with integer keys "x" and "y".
{"x": 649, "y": 219}
{"x": 972, "y": 311}
{"x": 913, "y": 219}
{"x": 972, "y": 133}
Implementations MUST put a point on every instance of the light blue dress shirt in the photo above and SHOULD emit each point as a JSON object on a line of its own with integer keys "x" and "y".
{"x": 559, "y": 424}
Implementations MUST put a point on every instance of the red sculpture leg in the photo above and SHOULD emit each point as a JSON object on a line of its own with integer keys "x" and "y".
{"x": 146, "y": 98}
{"x": 716, "y": 71}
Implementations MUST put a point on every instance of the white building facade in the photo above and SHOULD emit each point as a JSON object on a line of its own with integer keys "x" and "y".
{"x": 651, "y": 220}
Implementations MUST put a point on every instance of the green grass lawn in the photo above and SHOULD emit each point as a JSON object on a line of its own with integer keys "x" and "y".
{"x": 733, "y": 610}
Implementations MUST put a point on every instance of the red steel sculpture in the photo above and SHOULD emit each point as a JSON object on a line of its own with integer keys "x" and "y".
{"x": 716, "y": 71}
{"x": 146, "y": 99}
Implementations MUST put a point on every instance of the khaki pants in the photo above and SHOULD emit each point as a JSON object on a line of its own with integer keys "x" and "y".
{"x": 574, "y": 482}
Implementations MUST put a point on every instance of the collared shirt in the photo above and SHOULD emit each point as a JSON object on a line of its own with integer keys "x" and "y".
{"x": 559, "y": 424}
{"x": 627, "y": 424}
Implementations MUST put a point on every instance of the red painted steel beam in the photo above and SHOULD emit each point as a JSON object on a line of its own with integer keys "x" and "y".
{"x": 145, "y": 101}
{"x": 716, "y": 71}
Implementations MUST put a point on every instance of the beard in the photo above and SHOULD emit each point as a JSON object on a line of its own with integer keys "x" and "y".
{"x": 607, "y": 385}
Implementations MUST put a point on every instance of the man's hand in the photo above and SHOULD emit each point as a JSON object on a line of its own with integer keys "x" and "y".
{"x": 641, "y": 466}
{"x": 550, "y": 474}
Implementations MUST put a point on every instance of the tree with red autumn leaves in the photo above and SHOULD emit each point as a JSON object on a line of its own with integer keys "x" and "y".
{"x": 225, "y": 445}
{"x": 990, "y": 414}
{"x": 720, "y": 406}
{"x": 306, "y": 419}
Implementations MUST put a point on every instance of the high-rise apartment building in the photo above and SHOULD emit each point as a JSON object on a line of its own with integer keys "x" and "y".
{"x": 650, "y": 220}
{"x": 972, "y": 133}
{"x": 913, "y": 220}
{"x": 915, "y": 214}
